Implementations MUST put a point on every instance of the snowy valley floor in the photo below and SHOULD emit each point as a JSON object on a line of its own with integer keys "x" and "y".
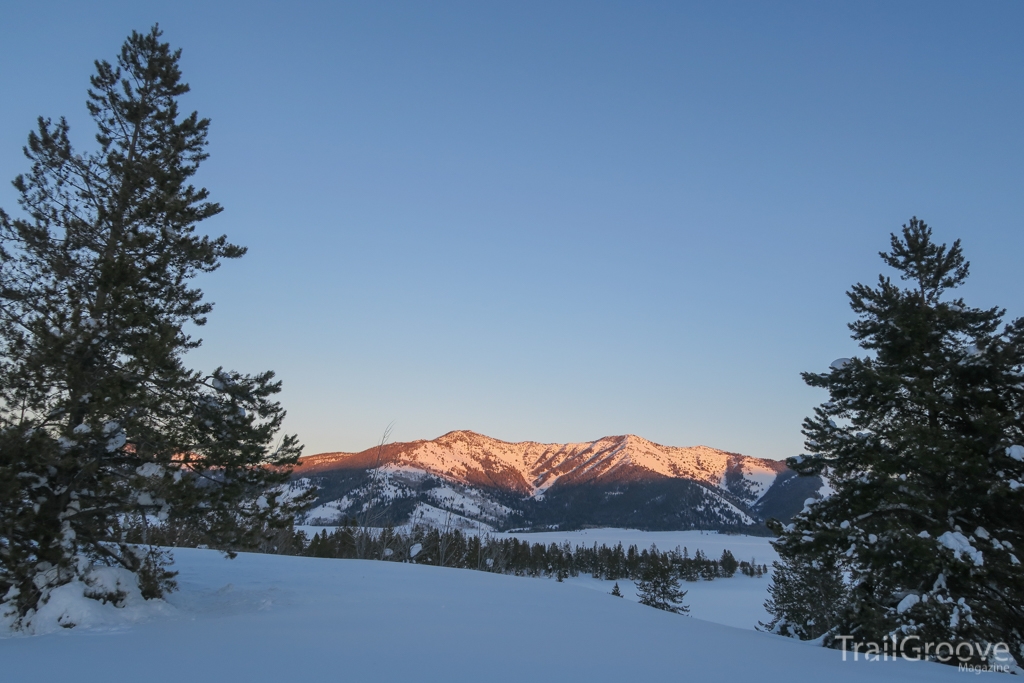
{"x": 738, "y": 601}
{"x": 265, "y": 618}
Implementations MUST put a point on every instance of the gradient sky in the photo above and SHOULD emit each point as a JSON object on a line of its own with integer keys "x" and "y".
{"x": 558, "y": 221}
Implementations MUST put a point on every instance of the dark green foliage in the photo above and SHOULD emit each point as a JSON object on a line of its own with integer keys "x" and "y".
{"x": 454, "y": 548}
{"x": 807, "y": 599}
{"x": 615, "y": 590}
{"x": 921, "y": 441}
{"x": 658, "y": 504}
{"x": 753, "y": 569}
{"x": 271, "y": 537}
{"x": 786, "y": 496}
{"x": 99, "y": 417}
{"x": 728, "y": 564}
{"x": 658, "y": 586}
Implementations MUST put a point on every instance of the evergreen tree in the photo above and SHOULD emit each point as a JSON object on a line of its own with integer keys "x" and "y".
{"x": 806, "y": 598}
{"x": 615, "y": 590}
{"x": 921, "y": 442}
{"x": 728, "y": 564}
{"x": 99, "y": 417}
{"x": 658, "y": 586}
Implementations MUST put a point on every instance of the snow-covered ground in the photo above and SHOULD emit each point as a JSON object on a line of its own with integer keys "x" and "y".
{"x": 738, "y": 601}
{"x": 265, "y": 618}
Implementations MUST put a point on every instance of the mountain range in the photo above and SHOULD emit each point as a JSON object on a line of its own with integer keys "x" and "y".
{"x": 465, "y": 479}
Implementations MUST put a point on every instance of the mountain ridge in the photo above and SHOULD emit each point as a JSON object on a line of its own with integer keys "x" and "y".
{"x": 538, "y": 466}
{"x": 624, "y": 478}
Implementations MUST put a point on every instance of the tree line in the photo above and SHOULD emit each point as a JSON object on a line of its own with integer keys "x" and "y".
{"x": 455, "y": 548}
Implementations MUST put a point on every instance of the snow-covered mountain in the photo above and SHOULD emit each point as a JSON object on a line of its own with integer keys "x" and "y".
{"x": 615, "y": 480}
{"x": 531, "y": 468}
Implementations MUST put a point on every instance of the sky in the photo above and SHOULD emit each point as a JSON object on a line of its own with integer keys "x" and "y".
{"x": 557, "y": 221}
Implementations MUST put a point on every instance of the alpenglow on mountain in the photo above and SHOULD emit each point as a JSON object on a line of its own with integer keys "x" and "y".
{"x": 465, "y": 479}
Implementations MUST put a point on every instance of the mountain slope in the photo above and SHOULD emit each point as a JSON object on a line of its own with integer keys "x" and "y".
{"x": 615, "y": 480}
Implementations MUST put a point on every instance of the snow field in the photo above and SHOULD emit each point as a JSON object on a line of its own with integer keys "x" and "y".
{"x": 737, "y": 602}
{"x": 267, "y": 619}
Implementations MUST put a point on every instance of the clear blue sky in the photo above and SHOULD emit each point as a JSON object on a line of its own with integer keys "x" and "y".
{"x": 557, "y": 221}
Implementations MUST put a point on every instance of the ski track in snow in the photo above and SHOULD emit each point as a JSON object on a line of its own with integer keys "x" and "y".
{"x": 267, "y": 619}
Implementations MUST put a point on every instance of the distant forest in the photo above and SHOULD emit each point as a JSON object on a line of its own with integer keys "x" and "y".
{"x": 454, "y": 548}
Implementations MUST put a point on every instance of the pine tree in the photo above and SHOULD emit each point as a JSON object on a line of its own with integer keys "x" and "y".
{"x": 805, "y": 597}
{"x": 728, "y": 563}
{"x": 615, "y": 590}
{"x": 921, "y": 442}
{"x": 658, "y": 586}
{"x": 99, "y": 417}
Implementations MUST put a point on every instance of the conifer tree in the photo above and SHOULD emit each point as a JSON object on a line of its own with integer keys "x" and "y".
{"x": 921, "y": 441}
{"x": 728, "y": 564}
{"x": 658, "y": 586}
{"x": 806, "y": 598}
{"x": 615, "y": 590}
{"x": 99, "y": 416}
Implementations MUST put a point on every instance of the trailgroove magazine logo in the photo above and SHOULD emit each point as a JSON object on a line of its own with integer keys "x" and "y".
{"x": 971, "y": 657}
